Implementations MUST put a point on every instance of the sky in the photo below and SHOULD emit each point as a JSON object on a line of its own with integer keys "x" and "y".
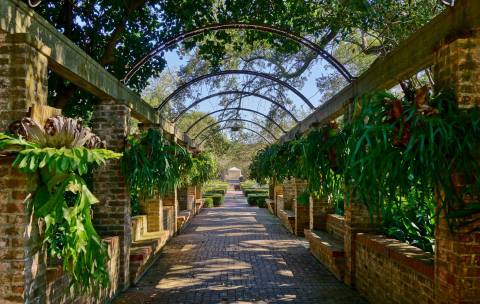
{"x": 319, "y": 68}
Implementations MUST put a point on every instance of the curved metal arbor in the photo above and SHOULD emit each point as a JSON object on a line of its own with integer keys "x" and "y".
{"x": 234, "y": 119}
{"x": 231, "y": 109}
{"x": 235, "y": 72}
{"x": 239, "y": 26}
{"x": 244, "y": 128}
{"x": 235, "y": 92}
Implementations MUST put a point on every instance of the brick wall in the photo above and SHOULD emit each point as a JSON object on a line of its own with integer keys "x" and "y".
{"x": 57, "y": 283}
{"x": 112, "y": 216}
{"x": 171, "y": 200}
{"x": 457, "y": 264}
{"x": 302, "y": 211}
{"x": 23, "y": 78}
{"x": 182, "y": 194}
{"x": 23, "y": 260}
{"x": 154, "y": 213}
{"x": 289, "y": 194}
{"x": 319, "y": 208}
{"x": 335, "y": 224}
{"x": 388, "y": 271}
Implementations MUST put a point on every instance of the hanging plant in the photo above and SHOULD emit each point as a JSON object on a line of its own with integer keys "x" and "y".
{"x": 323, "y": 161}
{"x": 204, "y": 168}
{"x": 62, "y": 152}
{"x": 151, "y": 164}
{"x": 403, "y": 151}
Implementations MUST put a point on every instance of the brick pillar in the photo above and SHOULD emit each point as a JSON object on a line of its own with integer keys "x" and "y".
{"x": 198, "y": 192}
{"x": 302, "y": 216}
{"x": 278, "y": 191}
{"x": 357, "y": 219}
{"x": 289, "y": 194}
{"x": 182, "y": 195}
{"x": 319, "y": 208}
{"x": 112, "y": 216}
{"x": 171, "y": 201}
{"x": 271, "y": 190}
{"x": 23, "y": 78}
{"x": 457, "y": 252}
{"x": 23, "y": 82}
{"x": 154, "y": 213}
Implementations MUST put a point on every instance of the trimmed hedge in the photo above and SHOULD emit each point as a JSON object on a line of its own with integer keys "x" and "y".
{"x": 208, "y": 201}
{"x": 217, "y": 191}
{"x": 251, "y": 191}
{"x": 218, "y": 200}
{"x": 257, "y": 200}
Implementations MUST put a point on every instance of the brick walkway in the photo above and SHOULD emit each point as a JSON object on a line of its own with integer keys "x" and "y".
{"x": 237, "y": 254}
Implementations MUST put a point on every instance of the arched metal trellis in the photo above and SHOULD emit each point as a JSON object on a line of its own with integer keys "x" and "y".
{"x": 235, "y": 92}
{"x": 239, "y": 26}
{"x": 238, "y": 109}
{"x": 235, "y": 72}
{"x": 234, "y": 119}
{"x": 242, "y": 127}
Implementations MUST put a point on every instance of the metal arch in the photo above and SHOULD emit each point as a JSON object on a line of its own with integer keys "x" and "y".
{"x": 162, "y": 46}
{"x": 236, "y": 108}
{"x": 235, "y": 119}
{"x": 251, "y": 130}
{"x": 235, "y": 72}
{"x": 235, "y": 92}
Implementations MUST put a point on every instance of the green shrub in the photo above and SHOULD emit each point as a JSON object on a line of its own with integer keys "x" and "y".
{"x": 218, "y": 200}
{"x": 251, "y": 191}
{"x": 217, "y": 191}
{"x": 257, "y": 200}
{"x": 208, "y": 201}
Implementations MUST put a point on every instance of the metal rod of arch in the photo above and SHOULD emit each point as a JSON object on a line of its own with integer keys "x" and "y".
{"x": 236, "y": 108}
{"x": 235, "y": 92}
{"x": 166, "y": 44}
{"x": 244, "y": 128}
{"x": 234, "y": 119}
{"x": 235, "y": 72}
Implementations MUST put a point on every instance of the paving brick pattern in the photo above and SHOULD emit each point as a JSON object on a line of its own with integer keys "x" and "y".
{"x": 237, "y": 254}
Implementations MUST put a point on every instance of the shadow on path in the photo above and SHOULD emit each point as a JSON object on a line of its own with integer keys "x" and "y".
{"x": 237, "y": 254}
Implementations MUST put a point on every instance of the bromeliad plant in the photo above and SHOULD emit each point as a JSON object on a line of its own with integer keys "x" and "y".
{"x": 402, "y": 152}
{"x": 151, "y": 164}
{"x": 62, "y": 152}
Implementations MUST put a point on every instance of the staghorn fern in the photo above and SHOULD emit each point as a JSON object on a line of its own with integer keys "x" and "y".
{"x": 62, "y": 152}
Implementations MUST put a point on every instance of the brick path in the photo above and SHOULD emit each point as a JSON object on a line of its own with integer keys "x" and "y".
{"x": 237, "y": 254}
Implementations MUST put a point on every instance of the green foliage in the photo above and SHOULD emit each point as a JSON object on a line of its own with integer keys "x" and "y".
{"x": 217, "y": 199}
{"x": 257, "y": 200}
{"x": 151, "y": 164}
{"x": 208, "y": 202}
{"x": 204, "y": 168}
{"x": 63, "y": 200}
{"x": 251, "y": 191}
{"x": 396, "y": 155}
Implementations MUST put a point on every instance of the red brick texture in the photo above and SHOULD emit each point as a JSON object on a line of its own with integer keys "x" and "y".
{"x": 357, "y": 219}
{"x": 302, "y": 211}
{"x": 23, "y": 78}
{"x": 319, "y": 208}
{"x": 171, "y": 200}
{"x": 112, "y": 216}
{"x": 389, "y": 271}
{"x": 154, "y": 213}
{"x": 457, "y": 264}
{"x": 22, "y": 256}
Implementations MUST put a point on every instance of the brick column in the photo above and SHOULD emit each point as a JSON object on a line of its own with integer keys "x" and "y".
{"x": 457, "y": 252}
{"x": 278, "y": 191}
{"x": 112, "y": 216}
{"x": 198, "y": 192}
{"x": 154, "y": 213}
{"x": 357, "y": 219}
{"x": 183, "y": 195}
{"x": 289, "y": 194}
{"x": 302, "y": 216}
{"x": 171, "y": 201}
{"x": 319, "y": 208}
{"x": 23, "y": 82}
